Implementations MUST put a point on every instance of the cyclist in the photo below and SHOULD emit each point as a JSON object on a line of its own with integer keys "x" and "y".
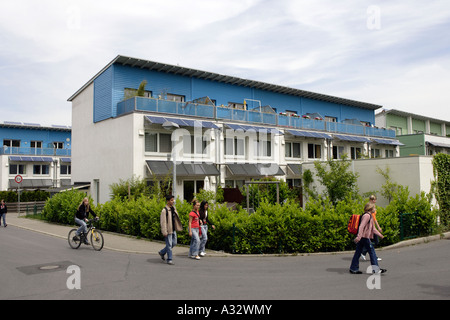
{"x": 81, "y": 218}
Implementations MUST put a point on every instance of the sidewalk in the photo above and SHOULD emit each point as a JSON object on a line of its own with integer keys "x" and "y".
{"x": 113, "y": 241}
{"x": 124, "y": 243}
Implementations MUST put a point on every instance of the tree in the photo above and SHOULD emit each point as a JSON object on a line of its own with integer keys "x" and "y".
{"x": 338, "y": 180}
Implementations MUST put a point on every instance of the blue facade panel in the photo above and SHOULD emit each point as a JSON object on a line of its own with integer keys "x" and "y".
{"x": 104, "y": 107}
{"x": 26, "y": 135}
{"x": 110, "y": 85}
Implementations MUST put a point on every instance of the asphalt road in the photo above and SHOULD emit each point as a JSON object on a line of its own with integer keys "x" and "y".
{"x": 34, "y": 266}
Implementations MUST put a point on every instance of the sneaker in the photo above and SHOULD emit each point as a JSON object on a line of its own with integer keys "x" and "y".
{"x": 381, "y": 271}
{"x": 363, "y": 257}
{"x": 195, "y": 257}
{"x": 202, "y": 254}
{"x": 379, "y": 259}
{"x": 170, "y": 262}
{"x": 162, "y": 256}
{"x": 355, "y": 272}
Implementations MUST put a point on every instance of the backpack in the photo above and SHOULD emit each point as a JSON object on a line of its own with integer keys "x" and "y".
{"x": 354, "y": 222}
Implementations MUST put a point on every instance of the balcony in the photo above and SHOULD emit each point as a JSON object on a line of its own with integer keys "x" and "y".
{"x": 246, "y": 116}
{"x": 35, "y": 151}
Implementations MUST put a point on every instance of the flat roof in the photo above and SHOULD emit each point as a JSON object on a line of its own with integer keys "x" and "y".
{"x": 188, "y": 72}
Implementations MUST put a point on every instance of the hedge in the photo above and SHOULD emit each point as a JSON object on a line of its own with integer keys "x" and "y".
{"x": 273, "y": 228}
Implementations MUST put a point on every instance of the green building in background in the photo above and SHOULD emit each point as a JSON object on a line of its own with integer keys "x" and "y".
{"x": 420, "y": 135}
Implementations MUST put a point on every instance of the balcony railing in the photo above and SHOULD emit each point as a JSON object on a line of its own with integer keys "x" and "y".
{"x": 34, "y": 151}
{"x": 247, "y": 116}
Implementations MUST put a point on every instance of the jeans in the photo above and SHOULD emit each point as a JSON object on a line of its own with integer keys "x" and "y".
{"x": 82, "y": 228}
{"x": 204, "y": 238}
{"x": 171, "y": 241}
{"x": 195, "y": 242}
{"x": 3, "y": 216}
{"x": 364, "y": 243}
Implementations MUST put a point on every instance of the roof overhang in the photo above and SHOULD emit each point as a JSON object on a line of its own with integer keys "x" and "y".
{"x": 188, "y": 72}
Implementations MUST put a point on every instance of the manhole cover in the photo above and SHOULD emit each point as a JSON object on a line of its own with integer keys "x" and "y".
{"x": 46, "y": 267}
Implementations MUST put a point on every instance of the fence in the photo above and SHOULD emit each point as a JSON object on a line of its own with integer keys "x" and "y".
{"x": 28, "y": 208}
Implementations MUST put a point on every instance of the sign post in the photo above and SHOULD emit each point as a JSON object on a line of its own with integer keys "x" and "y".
{"x": 18, "y": 179}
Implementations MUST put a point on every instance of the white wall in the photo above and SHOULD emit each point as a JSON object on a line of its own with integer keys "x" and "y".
{"x": 102, "y": 151}
{"x": 414, "y": 172}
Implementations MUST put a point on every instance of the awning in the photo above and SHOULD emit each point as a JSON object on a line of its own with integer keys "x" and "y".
{"x": 31, "y": 183}
{"x": 309, "y": 134}
{"x": 438, "y": 144}
{"x": 388, "y": 142}
{"x": 295, "y": 169}
{"x": 255, "y": 170}
{"x": 30, "y": 159}
{"x": 182, "y": 122}
{"x": 351, "y": 138}
{"x": 162, "y": 168}
{"x": 254, "y": 128}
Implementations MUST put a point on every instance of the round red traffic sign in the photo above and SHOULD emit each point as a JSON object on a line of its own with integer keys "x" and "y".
{"x": 18, "y": 178}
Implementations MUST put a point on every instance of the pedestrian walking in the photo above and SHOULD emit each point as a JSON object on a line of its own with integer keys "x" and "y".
{"x": 204, "y": 218}
{"x": 365, "y": 233}
{"x": 375, "y": 240}
{"x": 194, "y": 230}
{"x": 3, "y": 211}
{"x": 170, "y": 225}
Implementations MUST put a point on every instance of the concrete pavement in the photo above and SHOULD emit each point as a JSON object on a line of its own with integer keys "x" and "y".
{"x": 129, "y": 244}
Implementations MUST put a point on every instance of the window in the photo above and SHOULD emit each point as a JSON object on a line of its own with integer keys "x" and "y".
{"x": 263, "y": 146}
{"x": 355, "y": 153}
{"x": 235, "y": 105}
{"x": 398, "y": 130}
{"x": 58, "y": 145}
{"x": 65, "y": 169}
{"x": 330, "y": 119}
{"x": 314, "y": 151}
{"x": 11, "y": 143}
{"x": 375, "y": 153}
{"x": 158, "y": 142}
{"x": 292, "y": 150}
{"x": 175, "y": 97}
{"x": 41, "y": 169}
{"x": 17, "y": 169}
{"x": 194, "y": 144}
{"x": 389, "y": 153}
{"x": 338, "y": 152}
{"x": 129, "y": 93}
{"x": 234, "y": 146}
{"x": 36, "y": 144}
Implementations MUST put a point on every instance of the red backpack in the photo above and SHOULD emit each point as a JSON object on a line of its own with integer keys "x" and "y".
{"x": 354, "y": 222}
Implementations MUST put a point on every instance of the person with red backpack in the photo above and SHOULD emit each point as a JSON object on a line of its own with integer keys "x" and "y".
{"x": 366, "y": 232}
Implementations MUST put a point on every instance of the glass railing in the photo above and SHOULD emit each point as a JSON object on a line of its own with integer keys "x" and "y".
{"x": 247, "y": 116}
{"x": 34, "y": 151}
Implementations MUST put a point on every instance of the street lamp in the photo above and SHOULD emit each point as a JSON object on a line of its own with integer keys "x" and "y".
{"x": 172, "y": 126}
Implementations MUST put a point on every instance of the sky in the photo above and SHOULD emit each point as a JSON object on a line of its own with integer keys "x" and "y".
{"x": 392, "y": 53}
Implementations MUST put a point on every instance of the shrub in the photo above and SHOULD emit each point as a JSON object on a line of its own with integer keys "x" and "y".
{"x": 61, "y": 208}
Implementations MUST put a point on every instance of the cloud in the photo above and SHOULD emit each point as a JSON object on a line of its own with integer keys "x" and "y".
{"x": 51, "y": 48}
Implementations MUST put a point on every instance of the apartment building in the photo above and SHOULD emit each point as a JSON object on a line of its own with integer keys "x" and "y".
{"x": 37, "y": 156}
{"x": 420, "y": 135}
{"x": 217, "y": 129}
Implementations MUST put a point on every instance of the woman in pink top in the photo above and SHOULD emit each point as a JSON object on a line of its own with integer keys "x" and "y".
{"x": 366, "y": 231}
{"x": 194, "y": 230}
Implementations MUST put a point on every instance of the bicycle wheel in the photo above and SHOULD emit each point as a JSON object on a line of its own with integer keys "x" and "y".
{"x": 74, "y": 243}
{"x": 97, "y": 240}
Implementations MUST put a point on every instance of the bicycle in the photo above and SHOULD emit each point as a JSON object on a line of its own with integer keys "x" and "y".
{"x": 96, "y": 237}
